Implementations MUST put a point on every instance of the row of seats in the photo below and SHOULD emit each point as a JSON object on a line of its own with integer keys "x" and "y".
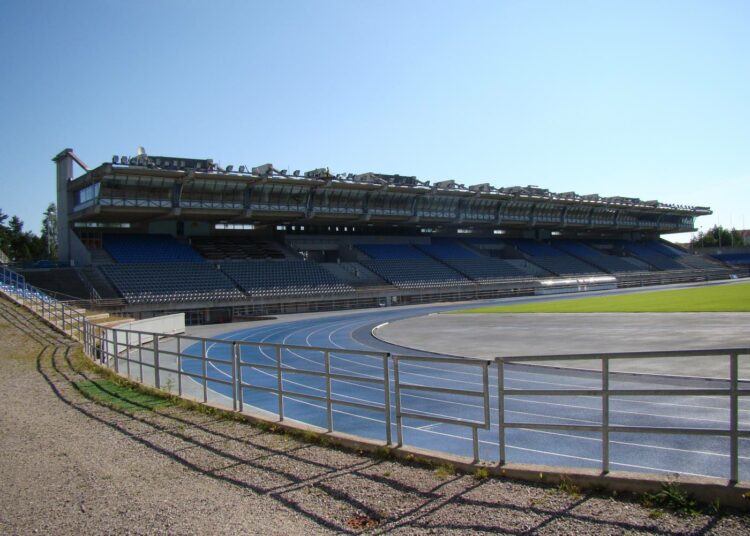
{"x": 737, "y": 259}
{"x": 603, "y": 261}
{"x": 282, "y": 278}
{"x": 141, "y": 248}
{"x": 237, "y": 248}
{"x": 391, "y": 251}
{"x": 651, "y": 255}
{"x": 554, "y": 260}
{"x": 414, "y": 273}
{"x": 171, "y": 282}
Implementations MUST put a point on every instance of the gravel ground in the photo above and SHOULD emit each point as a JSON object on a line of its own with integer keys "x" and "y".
{"x": 72, "y": 466}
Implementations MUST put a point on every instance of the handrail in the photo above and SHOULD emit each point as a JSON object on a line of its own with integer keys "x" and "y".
{"x": 267, "y": 378}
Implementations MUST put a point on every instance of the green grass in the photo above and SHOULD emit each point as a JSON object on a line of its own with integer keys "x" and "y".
{"x": 120, "y": 396}
{"x": 718, "y": 298}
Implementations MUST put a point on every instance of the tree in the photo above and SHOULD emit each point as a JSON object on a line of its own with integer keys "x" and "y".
{"x": 20, "y": 245}
{"x": 49, "y": 231}
{"x": 716, "y": 236}
{"x": 4, "y": 236}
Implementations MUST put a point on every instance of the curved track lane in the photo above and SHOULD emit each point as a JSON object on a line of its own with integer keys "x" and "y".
{"x": 654, "y": 453}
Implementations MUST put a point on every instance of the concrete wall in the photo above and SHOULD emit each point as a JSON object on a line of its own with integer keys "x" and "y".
{"x": 163, "y": 325}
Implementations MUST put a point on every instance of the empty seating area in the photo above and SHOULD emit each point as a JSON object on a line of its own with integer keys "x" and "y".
{"x": 391, "y": 251}
{"x": 142, "y": 248}
{"x": 443, "y": 250}
{"x": 608, "y": 263}
{"x": 283, "y": 278}
{"x": 171, "y": 282}
{"x": 653, "y": 255}
{"x": 414, "y": 273}
{"x": 236, "y": 248}
{"x": 468, "y": 262}
{"x": 553, "y": 260}
{"x": 735, "y": 259}
{"x": 486, "y": 269}
{"x": 159, "y": 269}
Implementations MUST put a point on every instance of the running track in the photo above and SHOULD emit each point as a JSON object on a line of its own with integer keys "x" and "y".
{"x": 651, "y": 453}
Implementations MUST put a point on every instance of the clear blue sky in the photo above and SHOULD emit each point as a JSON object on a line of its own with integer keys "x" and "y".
{"x": 642, "y": 99}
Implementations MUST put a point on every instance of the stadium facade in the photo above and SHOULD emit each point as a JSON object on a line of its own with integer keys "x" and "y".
{"x": 165, "y": 233}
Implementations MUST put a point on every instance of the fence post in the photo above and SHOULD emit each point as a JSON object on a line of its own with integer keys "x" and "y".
{"x": 501, "y": 409}
{"x": 234, "y": 375}
{"x": 329, "y": 403}
{"x": 387, "y": 400}
{"x": 279, "y": 383}
{"x": 179, "y": 365}
{"x": 605, "y": 415}
{"x": 114, "y": 349}
{"x": 140, "y": 356}
{"x": 238, "y": 364}
{"x": 157, "y": 382}
{"x": 733, "y": 419}
{"x": 205, "y": 371}
{"x": 399, "y": 432}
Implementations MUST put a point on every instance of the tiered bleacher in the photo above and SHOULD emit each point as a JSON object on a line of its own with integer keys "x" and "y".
{"x": 735, "y": 259}
{"x": 237, "y": 248}
{"x": 655, "y": 254}
{"x": 159, "y": 269}
{"x": 405, "y": 266}
{"x": 470, "y": 263}
{"x": 283, "y": 278}
{"x": 171, "y": 282}
{"x": 685, "y": 259}
{"x": 553, "y": 260}
{"x": 142, "y": 248}
{"x": 591, "y": 255}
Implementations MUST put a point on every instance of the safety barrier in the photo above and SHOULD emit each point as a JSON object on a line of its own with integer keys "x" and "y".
{"x": 264, "y": 377}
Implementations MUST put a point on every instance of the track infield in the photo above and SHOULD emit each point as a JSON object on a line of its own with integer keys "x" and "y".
{"x": 710, "y": 299}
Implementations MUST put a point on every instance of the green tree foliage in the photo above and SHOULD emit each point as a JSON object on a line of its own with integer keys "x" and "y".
{"x": 49, "y": 231}
{"x": 20, "y": 245}
{"x": 717, "y": 236}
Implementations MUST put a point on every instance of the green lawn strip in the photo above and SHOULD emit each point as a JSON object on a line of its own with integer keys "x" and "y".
{"x": 120, "y": 396}
{"x": 719, "y": 298}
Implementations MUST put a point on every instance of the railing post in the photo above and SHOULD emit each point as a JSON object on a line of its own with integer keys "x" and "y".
{"x": 179, "y": 365}
{"x": 157, "y": 381}
{"x": 238, "y": 364}
{"x": 329, "y": 403}
{"x": 501, "y": 409}
{"x": 234, "y": 375}
{"x": 205, "y": 371}
{"x": 733, "y": 419}
{"x": 387, "y": 400}
{"x": 140, "y": 354}
{"x": 399, "y": 431}
{"x": 605, "y": 415}
{"x": 279, "y": 383}
{"x": 114, "y": 350}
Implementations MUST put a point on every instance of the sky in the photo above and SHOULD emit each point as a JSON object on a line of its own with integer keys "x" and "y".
{"x": 643, "y": 99}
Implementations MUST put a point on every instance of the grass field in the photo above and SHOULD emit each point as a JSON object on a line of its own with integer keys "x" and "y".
{"x": 718, "y": 298}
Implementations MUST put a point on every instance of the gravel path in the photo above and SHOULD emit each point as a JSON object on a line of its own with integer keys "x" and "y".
{"x": 72, "y": 466}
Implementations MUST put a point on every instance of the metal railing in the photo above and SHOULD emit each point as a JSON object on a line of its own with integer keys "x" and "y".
{"x": 605, "y": 393}
{"x": 266, "y": 378}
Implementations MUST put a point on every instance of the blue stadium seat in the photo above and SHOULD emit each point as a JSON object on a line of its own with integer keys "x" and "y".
{"x": 141, "y": 248}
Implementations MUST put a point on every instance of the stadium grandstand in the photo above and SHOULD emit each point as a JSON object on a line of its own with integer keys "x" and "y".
{"x": 153, "y": 234}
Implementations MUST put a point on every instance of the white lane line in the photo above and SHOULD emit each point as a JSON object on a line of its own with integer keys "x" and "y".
{"x": 515, "y": 447}
{"x": 431, "y": 426}
{"x": 525, "y": 400}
